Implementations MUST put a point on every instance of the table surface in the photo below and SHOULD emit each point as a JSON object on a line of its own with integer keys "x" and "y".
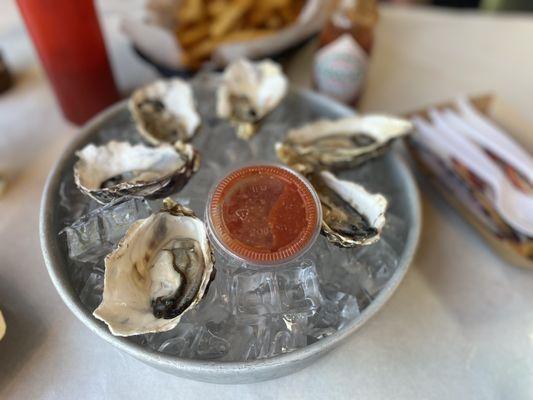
{"x": 459, "y": 327}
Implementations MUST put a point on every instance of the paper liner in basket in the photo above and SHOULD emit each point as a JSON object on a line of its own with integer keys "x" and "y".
{"x": 155, "y": 37}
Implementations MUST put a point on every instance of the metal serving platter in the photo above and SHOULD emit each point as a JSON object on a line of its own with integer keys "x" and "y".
{"x": 388, "y": 175}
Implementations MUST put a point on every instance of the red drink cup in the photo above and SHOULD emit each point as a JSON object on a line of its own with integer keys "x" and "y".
{"x": 68, "y": 39}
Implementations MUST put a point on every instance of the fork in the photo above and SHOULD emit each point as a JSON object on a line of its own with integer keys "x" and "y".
{"x": 482, "y": 131}
{"x": 515, "y": 207}
{"x": 473, "y": 117}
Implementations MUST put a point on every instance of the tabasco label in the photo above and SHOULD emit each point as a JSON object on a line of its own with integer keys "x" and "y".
{"x": 340, "y": 68}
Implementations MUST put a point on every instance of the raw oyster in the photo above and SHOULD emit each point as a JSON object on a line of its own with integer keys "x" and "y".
{"x": 345, "y": 142}
{"x": 164, "y": 111}
{"x": 350, "y": 215}
{"x": 118, "y": 169}
{"x": 160, "y": 270}
{"x": 248, "y": 92}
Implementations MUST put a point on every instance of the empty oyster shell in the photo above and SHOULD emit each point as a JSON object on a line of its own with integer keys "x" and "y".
{"x": 164, "y": 111}
{"x": 118, "y": 169}
{"x": 345, "y": 142}
{"x": 160, "y": 270}
{"x": 248, "y": 92}
{"x": 350, "y": 215}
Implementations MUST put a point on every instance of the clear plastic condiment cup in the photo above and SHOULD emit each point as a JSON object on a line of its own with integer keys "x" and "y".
{"x": 263, "y": 215}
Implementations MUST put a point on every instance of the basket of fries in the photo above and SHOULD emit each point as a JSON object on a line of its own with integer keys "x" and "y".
{"x": 181, "y": 36}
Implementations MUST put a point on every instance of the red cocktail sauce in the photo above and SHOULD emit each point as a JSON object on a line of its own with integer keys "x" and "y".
{"x": 264, "y": 214}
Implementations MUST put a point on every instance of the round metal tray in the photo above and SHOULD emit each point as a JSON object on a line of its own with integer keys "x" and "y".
{"x": 398, "y": 186}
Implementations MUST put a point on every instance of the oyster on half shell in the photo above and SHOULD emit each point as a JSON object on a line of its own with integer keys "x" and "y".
{"x": 351, "y": 215}
{"x": 160, "y": 270}
{"x": 248, "y": 92}
{"x": 341, "y": 143}
{"x": 117, "y": 169}
{"x": 164, "y": 111}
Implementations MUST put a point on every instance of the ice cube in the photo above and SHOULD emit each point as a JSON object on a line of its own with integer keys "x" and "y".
{"x": 336, "y": 310}
{"x": 210, "y": 343}
{"x": 298, "y": 289}
{"x": 395, "y": 231}
{"x": 254, "y": 293}
{"x": 94, "y": 235}
{"x": 380, "y": 261}
{"x": 92, "y": 292}
{"x": 290, "y": 290}
{"x": 223, "y": 340}
{"x": 275, "y": 335}
{"x": 73, "y": 202}
{"x": 121, "y": 128}
{"x": 178, "y": 342}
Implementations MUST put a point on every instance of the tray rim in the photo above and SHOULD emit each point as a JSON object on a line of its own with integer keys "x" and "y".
{"x": 213, "y": 371}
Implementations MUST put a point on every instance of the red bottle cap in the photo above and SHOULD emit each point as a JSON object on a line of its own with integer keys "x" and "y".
{"x": 264, "y": 214}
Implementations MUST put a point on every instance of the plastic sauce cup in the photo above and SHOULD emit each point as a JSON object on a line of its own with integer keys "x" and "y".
{"x": 263, "y": 215}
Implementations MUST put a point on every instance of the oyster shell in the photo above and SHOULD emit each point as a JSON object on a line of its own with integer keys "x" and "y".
{"x": 345, "y": 142}
{"x": 160, "y": 270}
{"x": 351, "y": 216}
{"x": 118, "y": 169}
{"x": 164, "y": 111}
{"x": 248, "y": 92}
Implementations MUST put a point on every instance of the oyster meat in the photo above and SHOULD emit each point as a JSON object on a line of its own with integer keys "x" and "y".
{"x": 351, "y": 215}
{"x": 118, "y": 169}
{"x": 248, "y": 92}
{"x": 164, "y": 111}
{"x": 345, "y": 142}
{"x": 160, "y": 270}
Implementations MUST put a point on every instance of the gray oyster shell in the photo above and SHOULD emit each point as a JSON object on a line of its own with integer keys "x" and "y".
{"x": 119, "y": 169}
{"x": 160, "y": 270}
{"x": 342, "y": 143}
{"x": 351, "y": 216}
{"x": 248, "y": 91}
{"x": 164, "y": 111}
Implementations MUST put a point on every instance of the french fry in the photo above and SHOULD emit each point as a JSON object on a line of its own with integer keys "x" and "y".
{"x": 191, "y": 36}
{"x": 205, "y": 24}
{"x": 191, "y": 12}
{"x": 203, "y": 50}
{"x": 229, "y": 17}
{"x": 245, "y": 35}
{"x": 279, "y": 4}
{"x": 189, "y": 63}
{"x": 216, "y": 7}
{"x": 259, "y": 14}
{"x": 274, "y": 22}
{"x": 290, "y": 12}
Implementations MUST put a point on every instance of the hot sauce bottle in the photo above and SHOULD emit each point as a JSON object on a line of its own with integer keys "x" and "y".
{"x": 341, "y": 61}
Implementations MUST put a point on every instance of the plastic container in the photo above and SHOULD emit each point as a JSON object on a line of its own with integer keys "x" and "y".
{"x": 68, "y": 39}
{"x": 263, "y": 215}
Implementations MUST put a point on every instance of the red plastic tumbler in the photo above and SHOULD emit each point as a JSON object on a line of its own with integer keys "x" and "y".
{"x": 68, "y": 39}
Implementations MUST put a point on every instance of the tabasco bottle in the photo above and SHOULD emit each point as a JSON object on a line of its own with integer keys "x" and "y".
{"x": 341, "y": 62}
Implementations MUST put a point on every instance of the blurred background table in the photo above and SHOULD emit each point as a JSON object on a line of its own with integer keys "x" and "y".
{"x": 460, "y": 325}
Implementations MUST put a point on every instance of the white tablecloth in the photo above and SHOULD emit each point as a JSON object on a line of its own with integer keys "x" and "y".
{"x": 459, "y": 327}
